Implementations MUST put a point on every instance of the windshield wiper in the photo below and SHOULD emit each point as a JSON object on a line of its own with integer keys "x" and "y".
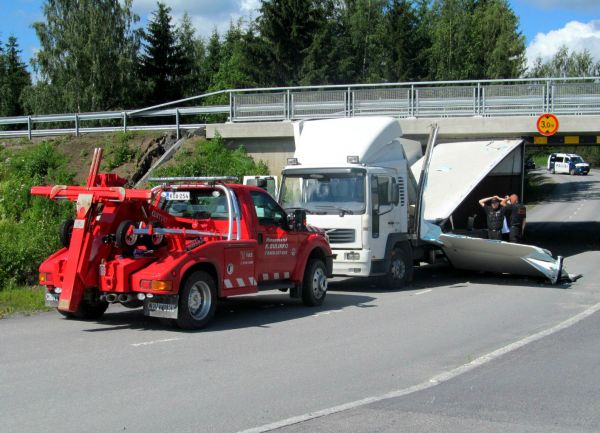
{"x": 342, "y": 210}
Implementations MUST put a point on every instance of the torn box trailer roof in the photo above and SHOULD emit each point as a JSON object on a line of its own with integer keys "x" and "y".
{"x": 453, "y": 172}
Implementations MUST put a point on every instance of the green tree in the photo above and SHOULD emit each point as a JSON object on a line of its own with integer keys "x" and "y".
{"x": 15, "y": 78}
{"x": 213, "y": 58}
{"x": 475, "y": 39}
{"x": 87, "y": 57}
{"x": 500, "y": 47}
{"x": 192, "y": 58}
{"x": 565, "y": 64}
{"x": 288, "y": 28}
{"x": 162, "y": 63}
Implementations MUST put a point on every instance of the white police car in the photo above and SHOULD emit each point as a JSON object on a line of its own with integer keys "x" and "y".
{"x": 570, "y": 163}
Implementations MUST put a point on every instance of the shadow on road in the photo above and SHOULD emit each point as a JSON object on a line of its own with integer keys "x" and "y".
{"x": 239, "y": 312}
{"x": 564, "y": 238}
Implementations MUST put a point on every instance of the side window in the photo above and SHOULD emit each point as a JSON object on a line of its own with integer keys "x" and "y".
{"x": 267, "y": 210}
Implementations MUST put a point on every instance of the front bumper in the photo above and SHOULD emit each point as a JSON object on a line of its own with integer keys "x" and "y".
{"x": 344, "y": 267}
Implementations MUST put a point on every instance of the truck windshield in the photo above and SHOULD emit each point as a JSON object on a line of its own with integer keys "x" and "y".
{"x": 195, "y": 203}
{"x": 576, "y": 159}
{"x": 324, "y": 193}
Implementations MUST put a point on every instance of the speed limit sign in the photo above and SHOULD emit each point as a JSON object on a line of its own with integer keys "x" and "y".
{"x": 547, "y": 124}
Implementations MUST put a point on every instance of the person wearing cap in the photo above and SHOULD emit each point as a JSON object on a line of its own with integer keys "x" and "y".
{"x": 495, "y": 216}
{"x": 516, "y": 214}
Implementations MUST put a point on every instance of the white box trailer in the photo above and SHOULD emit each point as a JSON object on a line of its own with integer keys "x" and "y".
{"x": 358, "y": 179}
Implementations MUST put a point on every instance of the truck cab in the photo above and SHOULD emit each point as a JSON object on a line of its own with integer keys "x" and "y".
{"x": 352, "y": 178}
{"x": 178, "y": 248}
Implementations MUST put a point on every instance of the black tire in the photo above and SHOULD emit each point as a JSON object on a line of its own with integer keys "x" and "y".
{"x": 65, "y": 231}
{"x": 314, "y": 283}
{"x": 90, "y": 310}
{"x": 122, "y": 238}
{"x": 65, "y": 314}
{"x": 197, "y": 301}
{"x": 572, "y": 172}
{"x": 552, "y": 170}
{"x": 400, "y": 270}
{"x": 155, "y": 241}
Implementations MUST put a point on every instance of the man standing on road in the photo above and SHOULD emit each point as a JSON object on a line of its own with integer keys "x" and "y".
{"x": 516, "y": 214}
{"x": 495, "y": 216}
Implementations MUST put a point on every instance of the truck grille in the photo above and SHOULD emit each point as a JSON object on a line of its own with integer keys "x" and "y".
{"x": 341, "y": 236}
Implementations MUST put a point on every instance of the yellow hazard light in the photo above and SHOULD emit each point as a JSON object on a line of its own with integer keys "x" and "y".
{"x": 45, "y": 278}
{"x": 162, "y": 285}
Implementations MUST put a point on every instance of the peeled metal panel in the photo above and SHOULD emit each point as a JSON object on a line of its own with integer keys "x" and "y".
{"x": 500, "y": 257}
{"x": 455, "y": 170}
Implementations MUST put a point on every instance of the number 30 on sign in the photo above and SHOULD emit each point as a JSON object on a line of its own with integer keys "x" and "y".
{"x": 547, "y": 124}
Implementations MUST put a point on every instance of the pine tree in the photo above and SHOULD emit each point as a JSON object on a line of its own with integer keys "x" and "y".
{"x": 161, "y": 63}
{"x": 193, "y": 79}
{"x": 15, "y": 78}
{"x": 288, "y": 28}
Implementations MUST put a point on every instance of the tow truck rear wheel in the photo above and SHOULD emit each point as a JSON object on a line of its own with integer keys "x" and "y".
{"x": 399, "y": 273}
{"x": 65, "y": 232}
{"x": 197, "y": 301}
{"x": 314, "y": 284}
{"x": 90, "y": 307}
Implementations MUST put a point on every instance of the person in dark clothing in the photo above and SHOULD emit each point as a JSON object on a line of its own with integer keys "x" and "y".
{"x": 495, "y": 216}
{"x": 516, "y": 214}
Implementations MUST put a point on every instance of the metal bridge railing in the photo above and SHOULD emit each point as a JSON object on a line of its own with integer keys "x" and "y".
{"x": 486, "y": 98}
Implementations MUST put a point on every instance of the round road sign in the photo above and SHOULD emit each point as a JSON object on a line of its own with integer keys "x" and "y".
{"x": 547, "y": 124}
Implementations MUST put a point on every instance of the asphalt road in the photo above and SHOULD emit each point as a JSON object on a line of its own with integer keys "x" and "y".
{"x": 267, "y": 358}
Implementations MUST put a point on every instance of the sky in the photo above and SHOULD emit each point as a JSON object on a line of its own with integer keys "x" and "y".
{"x": 546, "y": 24}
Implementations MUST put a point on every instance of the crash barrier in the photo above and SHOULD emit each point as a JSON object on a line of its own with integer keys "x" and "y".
{"x": 434, "y": 99}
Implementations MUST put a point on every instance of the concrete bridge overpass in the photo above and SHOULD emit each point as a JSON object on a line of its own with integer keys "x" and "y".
{"x": 273, "y": 142}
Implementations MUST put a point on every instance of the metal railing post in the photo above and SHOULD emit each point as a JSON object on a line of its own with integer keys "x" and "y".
{"x": 479, "y": 104}
{"x": 411, "y": 101}
{"x": 29, "y": 127}
{"x": 349, "y": 103}
{"x": 288, "y": 105}
{"x": 178, "y": 133}
{"x": 124, "y": 121}
{"x": 76, "y": 125}
{"x": 231, "y": 107}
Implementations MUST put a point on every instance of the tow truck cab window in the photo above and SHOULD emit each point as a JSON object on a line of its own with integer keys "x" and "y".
{"x": 195, "y": 204}
{"x": 267, "y": 210}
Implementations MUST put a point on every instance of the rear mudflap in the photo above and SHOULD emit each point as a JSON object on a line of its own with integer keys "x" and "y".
{"x": 164, "y": 306}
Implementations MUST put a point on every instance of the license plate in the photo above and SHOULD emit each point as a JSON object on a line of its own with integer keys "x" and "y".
{"x": 165, "y": 308}
{"x": 178, "y": 195}
{"x": 52, "y": 299}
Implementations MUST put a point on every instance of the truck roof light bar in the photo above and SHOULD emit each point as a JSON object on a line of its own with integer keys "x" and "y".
{"x": 194, "y": 179}
{"x": 292, "y": 161}
{"x": 352, "y": 159}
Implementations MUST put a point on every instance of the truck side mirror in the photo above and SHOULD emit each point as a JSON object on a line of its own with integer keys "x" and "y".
{"x": 297, "y": 219}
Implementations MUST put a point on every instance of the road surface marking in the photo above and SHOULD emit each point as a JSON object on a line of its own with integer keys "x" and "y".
{"x": 326, "y": 313}
{"x": 147, "y": 343}
{"x": 423, "y": 291}
{"x": 435, "y": 380}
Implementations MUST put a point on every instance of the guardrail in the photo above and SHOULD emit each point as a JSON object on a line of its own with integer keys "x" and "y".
{"x": 484, "y": 98}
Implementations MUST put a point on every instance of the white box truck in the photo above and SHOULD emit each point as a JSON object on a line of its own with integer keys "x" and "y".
{"x": 358, "y": 179}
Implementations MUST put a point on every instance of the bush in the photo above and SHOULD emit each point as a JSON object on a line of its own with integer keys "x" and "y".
{"x": 29, "y": 225}
{"x": 212, "y": 158}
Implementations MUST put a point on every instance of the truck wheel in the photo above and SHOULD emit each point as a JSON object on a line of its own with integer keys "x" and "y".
{"x": 124, "y": 238}
{"x": 572, "y": 172}
{"x": 65, "y": 232}
{"x": 314, "y": 284}
{"x": 400, "y": 271}
{"x": 197, "y": 301}
{"x": 552, "y": 170}
{"x": 90, "y": 310}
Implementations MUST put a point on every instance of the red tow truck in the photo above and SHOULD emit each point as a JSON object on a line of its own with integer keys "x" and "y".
{"x": 177, "y": 248}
